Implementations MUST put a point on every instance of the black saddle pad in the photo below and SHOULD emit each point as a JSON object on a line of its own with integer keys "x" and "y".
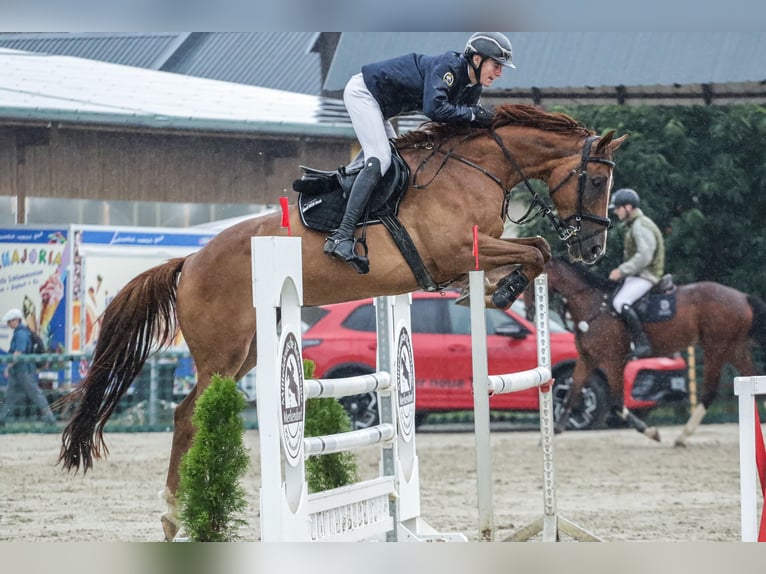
{"x": 322, "y": 207}
{"x": 654, "y": 308}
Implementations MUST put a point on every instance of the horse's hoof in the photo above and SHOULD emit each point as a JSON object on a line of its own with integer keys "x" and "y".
{"x": 169, "y": 527}
{"x": 509, "y": 288}
{"x": 679, "y": 443}
{"x": 653, "y": 433}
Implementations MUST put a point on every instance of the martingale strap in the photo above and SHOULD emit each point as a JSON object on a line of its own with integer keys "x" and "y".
{"x": 410, "y": 253}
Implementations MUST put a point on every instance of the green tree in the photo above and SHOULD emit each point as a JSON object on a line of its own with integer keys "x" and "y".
{"x": 701, "y": 175}
{"x": 210, "y": 493}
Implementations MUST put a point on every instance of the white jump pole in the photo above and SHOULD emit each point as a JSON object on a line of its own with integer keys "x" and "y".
{"x": 746, "y": 389}
{"x": 481, "y": 407}
{"x": 550, "y": 523}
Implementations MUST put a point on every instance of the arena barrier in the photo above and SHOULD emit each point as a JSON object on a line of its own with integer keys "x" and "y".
{"x": 550, "y": 523}
{"x": 383, "y": 508}
{"x": 752, "y": 457}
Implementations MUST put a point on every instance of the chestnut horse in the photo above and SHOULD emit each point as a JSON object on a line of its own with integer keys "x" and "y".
{"x": 208, "y": 293}
{"x": 724, "y": 322}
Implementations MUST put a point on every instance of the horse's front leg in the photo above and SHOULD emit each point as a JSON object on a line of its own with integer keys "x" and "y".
{"x": 615, "y": 373}
{"x": 511, "y": 264}
{"x": 582, "y": 369}
{"x": 537, "y": 242}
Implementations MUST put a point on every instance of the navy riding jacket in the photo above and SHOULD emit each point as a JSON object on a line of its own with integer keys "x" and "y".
{"x": 436, "y": 85}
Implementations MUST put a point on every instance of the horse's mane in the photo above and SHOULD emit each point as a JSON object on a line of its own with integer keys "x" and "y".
{"x": 587, "y": 276}
{"x": 505, "y": 115}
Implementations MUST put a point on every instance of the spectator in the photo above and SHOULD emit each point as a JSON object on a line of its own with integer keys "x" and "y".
{"x": 22, "y": 376}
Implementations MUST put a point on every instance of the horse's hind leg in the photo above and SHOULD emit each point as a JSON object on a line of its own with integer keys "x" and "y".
{"x": 713, "y": 363}
{"x": 183, "y": 433}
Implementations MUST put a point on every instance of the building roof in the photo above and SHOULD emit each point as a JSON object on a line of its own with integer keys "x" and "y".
{"x": 40, "y": 87}
{"x": 579, "y": 65}
{"x": 279, "y": 60}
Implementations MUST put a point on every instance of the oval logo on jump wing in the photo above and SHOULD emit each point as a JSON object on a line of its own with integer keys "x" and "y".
{"x": 449, "y": 79}
{"x": 292, "y": 398}
{"x": 405, "y": 385}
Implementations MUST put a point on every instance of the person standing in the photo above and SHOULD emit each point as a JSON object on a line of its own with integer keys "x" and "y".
{"x": 446, "y": 88}
{"x": 22, "y": 376}
{"x": 643, "y": 264}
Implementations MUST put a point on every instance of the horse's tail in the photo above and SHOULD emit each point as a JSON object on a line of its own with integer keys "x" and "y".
{"x": 758, "y": 328}
{"x": 141, "y": 319}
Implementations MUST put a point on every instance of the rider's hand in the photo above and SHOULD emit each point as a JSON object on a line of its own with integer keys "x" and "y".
{"x": 615, "y": 275}
{"x": 482, "y": 116}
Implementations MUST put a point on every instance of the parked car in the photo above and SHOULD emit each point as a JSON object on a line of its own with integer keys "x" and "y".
{"x": 341, "y": 340}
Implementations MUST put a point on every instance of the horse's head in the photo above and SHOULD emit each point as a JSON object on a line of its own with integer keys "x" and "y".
{"x": 579, "y": 188}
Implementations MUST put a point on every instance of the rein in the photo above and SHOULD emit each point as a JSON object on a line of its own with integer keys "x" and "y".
{"x": 538, "y": 206}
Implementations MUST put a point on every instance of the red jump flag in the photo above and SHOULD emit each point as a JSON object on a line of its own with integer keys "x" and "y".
{"x": 476, "y": 245}
{"x": 285, "y": 214}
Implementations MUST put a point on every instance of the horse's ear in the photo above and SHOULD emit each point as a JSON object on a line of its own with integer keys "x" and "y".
{"x": 607, "y": 142}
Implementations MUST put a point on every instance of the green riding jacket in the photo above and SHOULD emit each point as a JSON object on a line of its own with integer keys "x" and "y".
{"x": 644, "y": 248}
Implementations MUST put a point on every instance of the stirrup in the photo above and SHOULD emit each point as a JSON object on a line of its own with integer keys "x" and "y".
{"x": 360, "y": 263}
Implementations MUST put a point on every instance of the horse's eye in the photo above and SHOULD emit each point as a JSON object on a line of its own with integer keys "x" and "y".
{"x": 598, "y": 181}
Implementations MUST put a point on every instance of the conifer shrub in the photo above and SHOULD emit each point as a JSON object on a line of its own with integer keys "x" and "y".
{"x": 210, "y": 493}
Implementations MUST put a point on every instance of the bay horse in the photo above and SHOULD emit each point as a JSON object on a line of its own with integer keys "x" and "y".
{"x": 208, "y": 293}
{"x": 723, "y": 321}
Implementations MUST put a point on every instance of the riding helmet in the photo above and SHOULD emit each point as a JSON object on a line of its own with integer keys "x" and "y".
{"x": 624, "y": 196}
{"x": 490, "y": 45}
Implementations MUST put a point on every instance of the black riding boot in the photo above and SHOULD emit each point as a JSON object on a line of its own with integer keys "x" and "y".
{"x": 341, "y": 243}
{"x": 641, "y": 346}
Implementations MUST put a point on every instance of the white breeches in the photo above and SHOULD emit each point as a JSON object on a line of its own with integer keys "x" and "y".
{"x": 372, "y": 130}
{"x": 630, "y": 292}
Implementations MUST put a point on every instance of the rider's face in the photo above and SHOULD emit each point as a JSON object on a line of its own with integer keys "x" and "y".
{"x": 489, "y": 72}
{"x": 621, "y": 212}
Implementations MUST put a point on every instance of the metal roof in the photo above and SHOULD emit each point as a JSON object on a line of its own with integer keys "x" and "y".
{"x": 64, "y": 89}
{"x": 269, "y": 59}
{"x": 583, "y": 62}
{"x": 279, "y": 60}
{"x": 135, "y": 49}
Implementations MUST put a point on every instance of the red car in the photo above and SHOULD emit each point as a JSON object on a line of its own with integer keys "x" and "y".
{"x": 341, "y": 340}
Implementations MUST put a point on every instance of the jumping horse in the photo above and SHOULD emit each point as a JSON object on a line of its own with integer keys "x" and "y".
{"x": 469, "y": 174}
{"x": 723, "y": 321}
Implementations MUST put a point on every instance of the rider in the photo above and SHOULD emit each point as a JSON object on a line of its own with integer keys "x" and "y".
{"x": 644, "y": 262}
{"x": 446, "y": 88}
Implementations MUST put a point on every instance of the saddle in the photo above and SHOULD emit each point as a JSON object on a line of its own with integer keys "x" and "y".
{"x": 659, "y": 303}
{"x": 323, "y": 194}
{"x": 322, "y": 201}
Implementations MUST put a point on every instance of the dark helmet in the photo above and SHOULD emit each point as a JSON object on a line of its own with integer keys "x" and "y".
{"x": 624, "y": 196}
{"x": 490, "y": 45}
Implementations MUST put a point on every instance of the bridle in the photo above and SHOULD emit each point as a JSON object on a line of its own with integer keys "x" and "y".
{"x": 566, "y": 228}
{"x": 571, "y": 226}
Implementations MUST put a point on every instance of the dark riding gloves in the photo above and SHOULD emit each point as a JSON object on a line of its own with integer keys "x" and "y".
{"x": 482, "y": 116}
